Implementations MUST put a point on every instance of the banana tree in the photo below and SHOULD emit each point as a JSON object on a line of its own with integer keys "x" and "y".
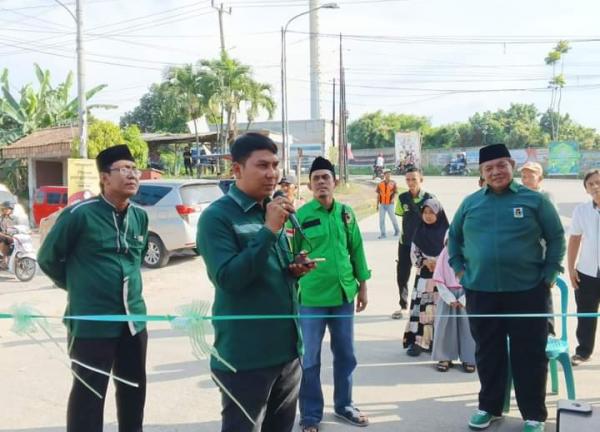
{"x": 46, "y": 107}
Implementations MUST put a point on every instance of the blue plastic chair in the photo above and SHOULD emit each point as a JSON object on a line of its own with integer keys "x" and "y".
{"x": 557, "y": 350}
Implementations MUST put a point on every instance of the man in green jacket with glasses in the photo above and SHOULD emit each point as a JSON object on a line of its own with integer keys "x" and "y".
{"x": 95, "y": 252}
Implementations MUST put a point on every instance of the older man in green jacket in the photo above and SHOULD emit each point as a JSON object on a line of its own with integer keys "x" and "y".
{"x": 495, "y": 244}
{"x": 94, "y": 252}
{"x": 330, "y": 233}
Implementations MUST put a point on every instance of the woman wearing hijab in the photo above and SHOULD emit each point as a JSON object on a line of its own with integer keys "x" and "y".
{"x": 427, "y": 244}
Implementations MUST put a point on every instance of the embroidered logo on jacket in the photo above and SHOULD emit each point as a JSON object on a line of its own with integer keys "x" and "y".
{"x": 518, "y": 212}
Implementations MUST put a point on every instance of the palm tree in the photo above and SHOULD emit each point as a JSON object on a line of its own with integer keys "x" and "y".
{"x": 259, "y": 97}
{"x": 232, "y": 84}
{"x": 185, "y": 82}
{"x": 230, "y": 80}
{"x": 557, "y": 83}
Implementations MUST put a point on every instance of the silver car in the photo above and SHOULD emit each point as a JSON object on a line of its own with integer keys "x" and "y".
{"x": 174, "y": 207}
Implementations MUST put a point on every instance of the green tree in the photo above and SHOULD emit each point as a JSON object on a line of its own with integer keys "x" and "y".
{"x": 556, "y": 83}
{"x": 45, "y": 107}
{"x": 132, "y": 136}
{"x": 258, "y": 97}
{"x": 185, "y": 82}
{"x": 103, "y": 134}
{"x": 159, "y": 110}
{"x": 377, "y": 130}
{"x": 588, "y": 138}
{"x": 230, "y": 84}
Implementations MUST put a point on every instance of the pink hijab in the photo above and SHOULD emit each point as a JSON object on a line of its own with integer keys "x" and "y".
{"x": 443, "y": 273}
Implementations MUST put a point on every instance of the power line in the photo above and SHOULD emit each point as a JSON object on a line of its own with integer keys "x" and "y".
{"x": 456, "y": 40}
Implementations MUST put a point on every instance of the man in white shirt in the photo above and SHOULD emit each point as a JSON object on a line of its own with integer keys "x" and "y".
{"x": 380, "y": 161}
{"x": 585, "y": 271}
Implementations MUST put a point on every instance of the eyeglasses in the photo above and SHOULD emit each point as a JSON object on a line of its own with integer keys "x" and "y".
{"x": 126, "y": 172}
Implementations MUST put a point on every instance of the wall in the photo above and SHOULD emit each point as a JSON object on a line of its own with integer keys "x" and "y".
{"x": 438, "y": 158}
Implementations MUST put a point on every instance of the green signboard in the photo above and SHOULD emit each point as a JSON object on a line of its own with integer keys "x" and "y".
{"x": 564, "y": 158}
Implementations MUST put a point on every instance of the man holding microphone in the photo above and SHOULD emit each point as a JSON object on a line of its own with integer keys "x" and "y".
{"x": 247, "y": 257}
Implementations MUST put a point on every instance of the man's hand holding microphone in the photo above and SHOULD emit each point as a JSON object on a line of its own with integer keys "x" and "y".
{"x": 278, "y": 211}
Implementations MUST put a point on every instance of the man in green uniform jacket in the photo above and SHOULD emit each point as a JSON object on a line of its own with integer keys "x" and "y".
{"x": 495, "y": 244}
{"x": 94, "y": 252}
{"x": 408, "y": 206}
{"x": 248, "y": 260}
{"x": 329, "y": 232}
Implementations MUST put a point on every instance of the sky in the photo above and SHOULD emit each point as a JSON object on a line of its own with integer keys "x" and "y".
{"x": 441, "y": 59}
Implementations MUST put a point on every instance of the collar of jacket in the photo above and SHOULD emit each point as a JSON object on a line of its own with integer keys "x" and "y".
{"x": 513, "y": 187}
{"x": 121, "y": 242}
{"x": 244, "y": 201}
{"x": 113, "y": 207}
{"x": 315, "y": 204}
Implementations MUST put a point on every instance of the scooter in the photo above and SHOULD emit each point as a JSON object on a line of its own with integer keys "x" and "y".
{"x": 377, "y": 172}
{"x": 403, "y": 168}
{"x": 22, "y": 261}
{"x": 456, "y": 167}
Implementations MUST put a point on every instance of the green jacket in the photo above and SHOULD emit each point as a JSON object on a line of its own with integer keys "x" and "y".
{"x": 335, "y": 236}
{"x": 95, "y": 254}
{"x": 409, "y": 209}
{"x": 496, "y": 239}
{"x": 248, "y": 266}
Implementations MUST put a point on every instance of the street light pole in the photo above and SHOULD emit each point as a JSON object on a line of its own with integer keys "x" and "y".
{"x": 284, "y": 111}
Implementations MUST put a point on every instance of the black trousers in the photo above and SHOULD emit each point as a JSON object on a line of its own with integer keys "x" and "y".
{"x": 403, "y": 268}
{"x": 188, "y": 166}
{"x": 126, "y": 357}
{"x": 269, "y": 395}
{"x": 587, "y": 297}
{"x": 528, "y": 360}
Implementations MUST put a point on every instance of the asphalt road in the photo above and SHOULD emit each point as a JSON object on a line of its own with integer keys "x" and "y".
{"x": 397, "y": 392}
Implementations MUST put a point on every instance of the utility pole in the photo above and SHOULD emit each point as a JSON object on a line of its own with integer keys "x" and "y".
{"x": 341, "y": 148}
{"x": 333, "y": 118}
{"x": 222, "y": 137}
{"x": 343, "y": 145}
{"x": 221, "y": 10}
{"x": 315, "y": 102}
{"x": 83, "y": 136}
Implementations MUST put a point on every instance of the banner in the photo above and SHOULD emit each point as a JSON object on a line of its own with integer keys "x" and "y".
{"x": 408, "y": 143}
{"x": 564, "y": 158}
{"x": 82, "y": 175}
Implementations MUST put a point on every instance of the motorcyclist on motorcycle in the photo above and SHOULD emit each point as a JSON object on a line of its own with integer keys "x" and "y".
{"x": 6, "y": 224}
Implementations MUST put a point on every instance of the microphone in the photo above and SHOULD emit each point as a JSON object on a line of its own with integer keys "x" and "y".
{"x": 292, "y": 216}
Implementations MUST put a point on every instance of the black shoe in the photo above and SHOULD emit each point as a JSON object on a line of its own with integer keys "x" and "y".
{"x": 576, "y": 360}
{"x": 414, "y": 350}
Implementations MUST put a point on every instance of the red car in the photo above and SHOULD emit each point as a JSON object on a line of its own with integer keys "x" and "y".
{"x": 48, "y": 199}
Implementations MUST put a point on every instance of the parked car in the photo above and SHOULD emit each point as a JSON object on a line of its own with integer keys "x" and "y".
{"x": 174, "y": 207}
{"x": 48, "y": 199}
{"x": 19, "y": 213}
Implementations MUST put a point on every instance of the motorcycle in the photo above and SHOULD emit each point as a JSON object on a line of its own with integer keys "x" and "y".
{"x": 377, "y": 172}
{"x": 22, "y": 261}
{"x": 403, "y": 168}
{"x": 456, "y": 168}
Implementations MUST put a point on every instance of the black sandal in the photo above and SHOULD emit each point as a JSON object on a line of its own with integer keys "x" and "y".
{"x": 443, "y": 366}
{"x": 468, "y": 367}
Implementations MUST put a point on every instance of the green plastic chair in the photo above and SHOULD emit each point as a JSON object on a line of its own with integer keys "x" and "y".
{"x": 557, "y": 350}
